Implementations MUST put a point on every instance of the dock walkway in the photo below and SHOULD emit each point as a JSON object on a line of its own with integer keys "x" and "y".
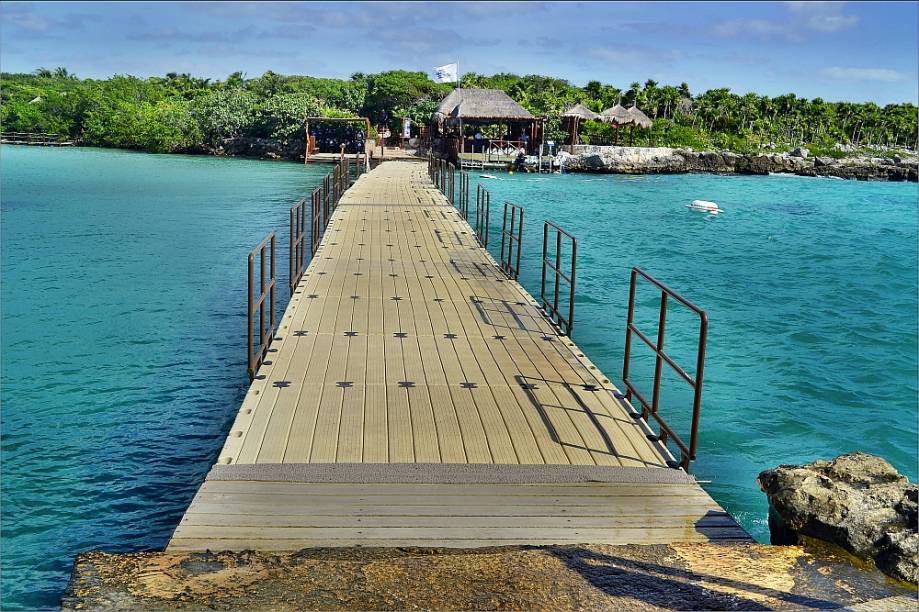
{"x": 415, "y": 396}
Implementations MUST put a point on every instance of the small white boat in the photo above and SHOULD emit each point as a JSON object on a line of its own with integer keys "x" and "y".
{"x": 704, "y": 206}
{"x": 488, "y": 176}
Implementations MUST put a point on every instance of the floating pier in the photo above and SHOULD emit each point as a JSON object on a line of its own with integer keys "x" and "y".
{"x": 414, "y": 394}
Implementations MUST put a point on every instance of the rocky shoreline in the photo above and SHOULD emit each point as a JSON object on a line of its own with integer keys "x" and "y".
{"x": 664, "y": 160}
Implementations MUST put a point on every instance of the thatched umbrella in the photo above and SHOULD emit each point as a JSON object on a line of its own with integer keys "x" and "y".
{"x": 640, "y": 119}
{"x": 617, "y": 114}
{"x": 575, "y": 115}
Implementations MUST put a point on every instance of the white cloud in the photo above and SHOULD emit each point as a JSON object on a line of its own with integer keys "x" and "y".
{"x": 863, "y": 74}
{"x": 823, "y": 16}
{"x": 762, "y": 27}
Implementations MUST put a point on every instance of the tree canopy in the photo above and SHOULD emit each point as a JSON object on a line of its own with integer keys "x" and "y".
{"x": 183, "y": 113}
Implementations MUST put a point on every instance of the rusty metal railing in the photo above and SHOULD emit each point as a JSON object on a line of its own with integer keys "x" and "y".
{"x": 482, "y": 214}
{"x": 511, "y": 237}
{"x": 315, "y": 219}
{"x": 652, "y": 409}
{"x": 564, "y": 323}
{"x": 258, "y": 306}
{"x": 297, "y": 253}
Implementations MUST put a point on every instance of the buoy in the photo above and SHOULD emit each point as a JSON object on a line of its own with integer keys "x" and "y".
{"x": 704, "y": 206}
{"x": 511, "y": 172}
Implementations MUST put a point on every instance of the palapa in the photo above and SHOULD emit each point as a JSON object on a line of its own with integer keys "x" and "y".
{"x": 618, "y": 115}
{"x": 480, "y": 105}
{"x": 579, "y": 111}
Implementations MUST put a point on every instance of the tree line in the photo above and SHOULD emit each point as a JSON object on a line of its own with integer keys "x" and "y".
{"x": 183, "y": 113}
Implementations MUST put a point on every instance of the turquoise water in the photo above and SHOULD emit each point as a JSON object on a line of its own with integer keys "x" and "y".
{"x": 123, "y": 343}
{"x": 810, "y": 287}
{"x": 123, "y": 326}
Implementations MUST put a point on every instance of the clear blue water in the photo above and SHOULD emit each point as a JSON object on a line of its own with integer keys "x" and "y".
{"x": 811, "y": 290}
{"x": 123, "y": 326}
{"x": 123, "y": 342}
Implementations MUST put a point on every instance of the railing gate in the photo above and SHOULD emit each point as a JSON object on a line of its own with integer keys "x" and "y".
{"x": 297, "y": 243}
{"x": 257, "y": 305}
{"x": 511, "y": 237}
{"x": 688, "y": 453}
{"x": 565, "y": 323}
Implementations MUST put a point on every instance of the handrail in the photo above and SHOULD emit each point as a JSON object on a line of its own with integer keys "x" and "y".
{"x": 565, "y": 324}
{"x": 256, "y": 353}
{"x": 326, "y": 199}
{"x": 463, "y": 205}
{"x": 688, "y": 453}
{"x": 451, "y": 187}
{"x": 297, "y": 253}
{"x": 482, "y": 214}
{"x": 315, "y": 219}
{"x": 510, "y": 264}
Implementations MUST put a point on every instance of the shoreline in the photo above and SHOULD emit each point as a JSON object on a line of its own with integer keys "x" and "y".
{"x": 664, "y": 160}
{"x": 590, "y": 159}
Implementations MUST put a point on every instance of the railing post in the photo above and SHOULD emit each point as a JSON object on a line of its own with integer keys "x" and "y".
{"x": 545, "y": 242}
{"x": 697, "y": 395}
{"x": 249, "y": 321}
{"x": 273, "y": 287}
{"x": 628, "y": 338}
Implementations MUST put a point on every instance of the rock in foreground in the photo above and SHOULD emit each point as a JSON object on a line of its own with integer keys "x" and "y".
{"x": 856, "y": 501}
{"x": 683, "y": 577}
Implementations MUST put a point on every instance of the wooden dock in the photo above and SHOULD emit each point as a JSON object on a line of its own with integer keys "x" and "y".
{"x": 415, "y": 396}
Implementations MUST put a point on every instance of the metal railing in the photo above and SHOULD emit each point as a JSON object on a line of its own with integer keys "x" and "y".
{"x": 451, "y": 186}
{"x": 315, "y": 219}
{"x": 297, "y": 252}
{"x": 512, "y": 236}
{"x": 258, "y": 306}
{"x": 551, "y": 309}
{"x": 463, "y": 205}
{"x": 482, "y": 214}
{"x": 688, "y": 453}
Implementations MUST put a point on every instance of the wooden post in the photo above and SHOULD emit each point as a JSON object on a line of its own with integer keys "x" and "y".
{"x": 306, "y": 153}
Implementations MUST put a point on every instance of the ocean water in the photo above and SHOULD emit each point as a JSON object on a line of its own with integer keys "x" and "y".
{"x": 123, "y": 342}
{"x": 122, "y": 345}
{"x": 810, "y": 286}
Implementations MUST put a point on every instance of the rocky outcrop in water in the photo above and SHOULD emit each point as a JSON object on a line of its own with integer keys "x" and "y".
{"x": 664, "y": 160}
{"x": 857, "y": 501}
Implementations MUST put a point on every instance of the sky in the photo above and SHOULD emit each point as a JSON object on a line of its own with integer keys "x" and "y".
{"x": 837, "y": 51}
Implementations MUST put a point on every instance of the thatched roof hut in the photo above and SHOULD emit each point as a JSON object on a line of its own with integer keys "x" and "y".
{"x": 639, "y": 118}
{"x": 617, "y": 114}
{"x": 470, "y": 105}
{"x": 579, "y": 111}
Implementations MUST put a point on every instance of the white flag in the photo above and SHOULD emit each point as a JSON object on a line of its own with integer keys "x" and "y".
{"x": 446, "y": 74}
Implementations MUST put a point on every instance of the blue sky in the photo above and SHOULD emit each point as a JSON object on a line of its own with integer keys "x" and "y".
{"x": 838, "y": 51}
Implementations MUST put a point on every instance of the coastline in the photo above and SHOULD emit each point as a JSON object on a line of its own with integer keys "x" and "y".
{"x": 664, "y": 160}
{"x": 593, "y": 159}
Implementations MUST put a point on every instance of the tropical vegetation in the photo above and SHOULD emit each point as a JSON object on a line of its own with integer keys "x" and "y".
{"x": 183, "y": 113}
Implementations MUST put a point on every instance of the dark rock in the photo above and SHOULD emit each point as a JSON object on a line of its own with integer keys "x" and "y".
{"x": 799, "y": 152}
{"x": 823, "y": 161}
{"x": 856, "y": 501}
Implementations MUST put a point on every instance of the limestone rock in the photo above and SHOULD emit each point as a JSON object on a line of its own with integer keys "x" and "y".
{"x": 856, "y": 501}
